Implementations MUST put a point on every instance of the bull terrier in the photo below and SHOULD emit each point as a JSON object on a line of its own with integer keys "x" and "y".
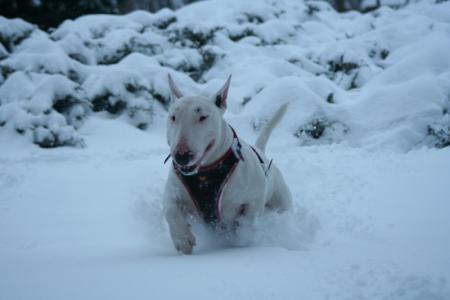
{"x": 215, "y": 177}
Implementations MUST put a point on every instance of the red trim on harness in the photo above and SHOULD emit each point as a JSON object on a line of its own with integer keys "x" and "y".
{"x": 216, "y": 163}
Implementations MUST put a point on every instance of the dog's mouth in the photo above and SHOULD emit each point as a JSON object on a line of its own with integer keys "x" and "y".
{"x": 193, "y": 168}
{"x": 188, "y": 170}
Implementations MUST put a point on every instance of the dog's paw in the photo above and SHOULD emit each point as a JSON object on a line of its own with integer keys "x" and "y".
{"x": 185, "y": 243}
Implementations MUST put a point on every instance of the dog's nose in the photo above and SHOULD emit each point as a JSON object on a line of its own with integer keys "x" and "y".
{"x": 183, "y": 158}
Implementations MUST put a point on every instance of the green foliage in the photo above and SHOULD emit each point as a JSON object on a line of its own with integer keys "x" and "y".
{"x": 330, "y": 98}
{"x": 109, "y": 103}
{"x": 165, "y": 22}
{"x": 314, "y": 129}
{"x": 11, "y": 41}
{"x": 321, "y": 130}
{"x": 342, "y": 66}
{"x": 440, "y": 134}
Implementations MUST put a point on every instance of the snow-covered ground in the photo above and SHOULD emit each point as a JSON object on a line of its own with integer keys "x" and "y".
{"x": 87, "y": 224}
{"x": 362, "y": 148}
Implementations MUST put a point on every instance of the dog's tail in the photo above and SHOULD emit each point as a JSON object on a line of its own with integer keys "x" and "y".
{"x": 262, "y": 139}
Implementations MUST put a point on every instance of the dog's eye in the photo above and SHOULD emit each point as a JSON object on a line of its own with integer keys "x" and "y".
{"x": 173, "y": 118}
{"x": 202, "y": 118}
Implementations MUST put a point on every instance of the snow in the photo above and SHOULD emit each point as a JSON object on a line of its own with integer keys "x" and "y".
{"x": 87, "y": 223}
{"x": 362, "y": 148}
{"x": 367, "y": 60}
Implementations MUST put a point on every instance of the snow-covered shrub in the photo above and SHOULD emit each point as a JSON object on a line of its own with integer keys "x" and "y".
{"x": 321, "y": 131}
{"x": 369, "y": 79}
{"x": 51, "y": 131}
{"x": 39, "y": 54}
{"x": 343, "y": 72}
{"x": 3, "y": 52}
{"x": 209, "y": 57}
{"x": 78, "y": 49}
{"x": 120, "y": 91}
{"x": 146, "y": 45}
{"x": 379, "y": 53}
{"x": 140, "y": 112}
{"x": 47, "y": 129}
{"x": 13, "y": 32}
{"x": 241, "y": 32}
{"x": 346, "y": 67}
{"x": 165, "y": 19}
{"x": 439, "y": 133}
{"x": 48, "y": 107}
{"x": 192, "y": 35}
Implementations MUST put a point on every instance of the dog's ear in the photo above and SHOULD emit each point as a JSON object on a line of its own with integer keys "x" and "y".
{"x": 174, "y": 91}
{"x": 220, "y": 99}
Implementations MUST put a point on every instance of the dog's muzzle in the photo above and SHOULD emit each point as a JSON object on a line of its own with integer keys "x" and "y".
{"x": 182, "y": 161}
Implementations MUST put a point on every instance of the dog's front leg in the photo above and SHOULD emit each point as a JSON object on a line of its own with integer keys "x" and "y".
{"x": 180, "y": 229}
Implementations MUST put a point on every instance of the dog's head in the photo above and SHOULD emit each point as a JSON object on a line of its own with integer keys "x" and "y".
{"x": 194, "y": 126}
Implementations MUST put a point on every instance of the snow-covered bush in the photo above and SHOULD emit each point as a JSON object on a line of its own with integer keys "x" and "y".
{"x": 118, "y": 91}
{"x": 439, "y": 132}
{"x": 378, "y": 79}
{"x": 323, "y": 130}
{"x": 49, "y": 108}
{"x": 13, "y": 32}
{"x": 441, "y": 135}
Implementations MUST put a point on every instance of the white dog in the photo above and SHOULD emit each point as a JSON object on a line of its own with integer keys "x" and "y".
{"x": 215, "y": 177}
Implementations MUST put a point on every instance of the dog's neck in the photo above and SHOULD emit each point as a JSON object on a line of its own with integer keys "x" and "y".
{"x": 223, "y": 142}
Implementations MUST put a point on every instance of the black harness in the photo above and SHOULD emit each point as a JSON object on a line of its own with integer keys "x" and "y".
{"x": 205, "y": 187}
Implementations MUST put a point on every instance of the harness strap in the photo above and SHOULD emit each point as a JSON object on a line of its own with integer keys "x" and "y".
{"x": 257, "y": 154}
{"x": 263, "y": 164}
{"x": 236, "y": 145}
